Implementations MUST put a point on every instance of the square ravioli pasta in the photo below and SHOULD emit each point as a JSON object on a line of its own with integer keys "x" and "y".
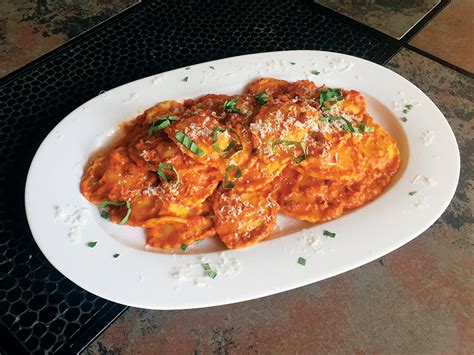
{"x": 225, "y": 166}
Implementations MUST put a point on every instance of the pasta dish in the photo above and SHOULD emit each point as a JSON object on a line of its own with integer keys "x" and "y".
{"x": 225, "y": 166}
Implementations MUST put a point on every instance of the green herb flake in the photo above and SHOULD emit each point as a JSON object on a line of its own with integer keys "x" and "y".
{"x": 227, "y": 183}
{"x": 315, "y": 72}
{"x": 232, "y": 145}
{"x": 261, "y": 98}
{"x": 365, "y": 129}
{"x": 212, "y": 67}
{"x": 185, "y": 79}
{"x": 184, "y": 247}
{"x": 292, "y": 63}
{"x": 329, "y": 234}
{"x": 302, "y": 261}
{"x": 411, "y": 193}
{"x": 91, "y": 244}
{"x": 330, "y": 118}
{"x": 188, "y": 143}
{"x": 348, "y": 127}
{"x": 161, "y": 124}
{"x": 403, "y": 119}
{"x": 116, "y": 256}
{"x": 229, "y": 106}
{"x": 129, "y": 212}
{"x": 298, "y": 159}
{"x": 162, "y": 174}
{"x": 105, "y": 213}
{"x": 211, "y": 273}
{"x": 330, "y": 96}
{"x": 407, "y": 108}
{"x": 187, "y": 68}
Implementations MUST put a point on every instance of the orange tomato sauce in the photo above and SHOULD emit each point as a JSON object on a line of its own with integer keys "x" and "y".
{"x": 226, "y": 165}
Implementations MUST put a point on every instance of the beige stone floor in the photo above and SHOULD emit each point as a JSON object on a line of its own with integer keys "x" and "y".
{"x": 394, "y": 18}
{"x": 450, "y": 35}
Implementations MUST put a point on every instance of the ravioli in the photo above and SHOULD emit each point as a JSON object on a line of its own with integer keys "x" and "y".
{"x": 225, "y": 165}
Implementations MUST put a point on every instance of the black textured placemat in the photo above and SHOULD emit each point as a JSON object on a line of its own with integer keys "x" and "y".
{"x": 40, "y": 310}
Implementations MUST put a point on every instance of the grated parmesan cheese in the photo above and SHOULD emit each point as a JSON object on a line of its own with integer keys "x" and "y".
{"x": 224, "y": 265}
{"x": 423, "y": 180}
{"x": 427, "y": 137}
{"x": 73, "y": 217}
{"x": 156, "y": 80}
{"x": 311, "y": 239}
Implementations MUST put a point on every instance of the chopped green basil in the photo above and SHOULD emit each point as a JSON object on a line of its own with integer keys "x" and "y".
{"x": 212, "y": 67}
{"x": 407, "y": 108}
{"x": 188, "y": 143}
{"x": 229, "y": 106}
{"x": 229, "y": 184}
{"x": 329, "y": 234}
{"x": 403, "y": 119}
{"x": 331, "y": 96}
{"x": 91, "y": 244}
{"x": 261, "y": 98}
{"x": 330, "y": 118}
{"x": 160, "y": 124}
{"x": 302, "y": 261}
{"x": 364, "y": 128}
{"x": 232, "y": 145}
{"x": 162, "y": 174}
{"x": 187, "y": 68}
{"x": 348, "y": 127}
{"x": 184, "y": 247}
{"x": 315, "y": 72}
{"x": 104, "y": 214}
{"x": 211, "y": 273}
{"x": 129, "y": 212}
{"x": 116, "y": 255}
{"x": 411, "y": 193}
{"x": 285, "y": 143}
{"x": 116, "y": 203}
{"x": 298, "y": 159}
{"x": 185, "y": 78}
{"x": 292, "y": 63}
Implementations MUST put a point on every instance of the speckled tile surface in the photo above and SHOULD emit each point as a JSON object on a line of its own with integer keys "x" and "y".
{"x": 29, "y": 29}
{"x": 418, "y": 299}
{"x": 394, "y": 18}
{"x": 450, "y": 35}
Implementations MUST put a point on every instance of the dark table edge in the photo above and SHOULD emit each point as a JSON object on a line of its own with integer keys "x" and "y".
{"x": 92, "y": 329}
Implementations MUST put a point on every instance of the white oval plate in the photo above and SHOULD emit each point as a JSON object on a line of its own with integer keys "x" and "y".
{"x": 63, "y": 222}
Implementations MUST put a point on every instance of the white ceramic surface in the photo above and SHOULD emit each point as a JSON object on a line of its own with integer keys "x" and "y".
{"x": 155, "y": 279}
